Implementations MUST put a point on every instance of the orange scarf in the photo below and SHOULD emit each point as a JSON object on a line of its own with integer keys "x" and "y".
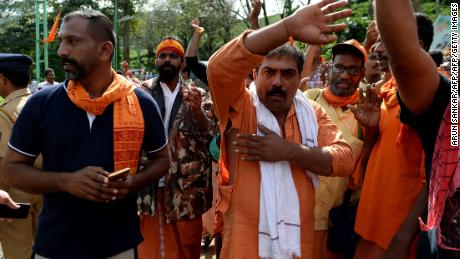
{"x": 388, "y": 93}
{"x": 128, "y": 121}
{"x": 339, "y": 101}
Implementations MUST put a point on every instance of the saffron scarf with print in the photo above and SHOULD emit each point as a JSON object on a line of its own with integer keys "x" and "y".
{"x": 444, "y": 190}
{"x": 128, "y": 121}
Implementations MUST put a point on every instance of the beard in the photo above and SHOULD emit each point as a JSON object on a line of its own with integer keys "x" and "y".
{"x": 168, "y": 72}
{"x": 342, "y": 92}
{"x": 77, "y": 73}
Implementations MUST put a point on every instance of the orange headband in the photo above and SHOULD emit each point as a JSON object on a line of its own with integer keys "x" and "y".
{"x": 170, "y": 45}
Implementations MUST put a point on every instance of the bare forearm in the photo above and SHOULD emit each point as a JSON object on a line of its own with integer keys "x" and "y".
{"x": 309, "y": 57}
{"x": 397, "y": 28}
{"x": 264, "y": 40}
{"x": 316, "y": 160}
{"x": 412, "y": 67}
{"x": 33, "y": 180}
{"x": 193, "y": 45}
{"x": 371, "y": 136}
{"x": 152, "y": 172}
{"x": 254, "y": 23}
{"x": 401, "y": 243}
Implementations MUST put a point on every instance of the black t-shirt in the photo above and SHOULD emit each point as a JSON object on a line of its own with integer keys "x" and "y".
{"x": 70, "y": 227}
{"x": 427, "y": 124}
{"x": 198, "y": 68}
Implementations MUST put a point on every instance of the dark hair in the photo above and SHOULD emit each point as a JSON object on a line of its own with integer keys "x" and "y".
{"x": 19, "y": 78}
{"x": 287, "y": 50}
{"x": 48, "y": 70}
{"x": 425, "y": 30}
{"x": 437, "y": 57}
{"x": 99, "y": 26}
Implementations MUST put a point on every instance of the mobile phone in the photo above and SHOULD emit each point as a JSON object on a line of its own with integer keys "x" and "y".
{"x": 20, "y": 213}
{"x": 118, "y": 175}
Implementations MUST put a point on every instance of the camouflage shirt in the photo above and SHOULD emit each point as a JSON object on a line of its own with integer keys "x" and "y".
{"x": 188, "y": 188}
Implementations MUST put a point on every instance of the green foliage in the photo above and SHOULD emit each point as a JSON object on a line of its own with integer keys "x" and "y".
{"x": 163, "y": 18}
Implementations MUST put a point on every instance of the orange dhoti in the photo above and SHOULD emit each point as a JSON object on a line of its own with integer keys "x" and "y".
{"x": 177, "y": 240}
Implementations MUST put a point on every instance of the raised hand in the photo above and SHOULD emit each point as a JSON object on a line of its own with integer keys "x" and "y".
{"x": 312, "y": 24}
{"x": 368, "y": 111}
{"x": 372, "y": 35}
{"x": 256, "y": 7}
{"x": 196, "y": 26}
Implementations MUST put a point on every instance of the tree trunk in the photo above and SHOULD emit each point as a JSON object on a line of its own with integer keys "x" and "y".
{"x": 264, "y": 9}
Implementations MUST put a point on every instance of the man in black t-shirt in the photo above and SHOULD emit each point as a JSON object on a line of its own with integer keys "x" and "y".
{"x": 94, "y": 123}
{"x": 424, "y": 97}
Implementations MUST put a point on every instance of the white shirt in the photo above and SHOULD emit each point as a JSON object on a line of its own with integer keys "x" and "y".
{"x": 46, "y": 84}
{"x": 170, "y": 97}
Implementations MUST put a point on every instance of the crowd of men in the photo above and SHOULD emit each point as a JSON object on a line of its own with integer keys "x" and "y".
{"x": 281, "y": 154}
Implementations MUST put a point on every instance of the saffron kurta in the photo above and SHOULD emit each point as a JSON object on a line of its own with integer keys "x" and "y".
{"x": 394, "y": 177}
{"x": 239, "y": 191}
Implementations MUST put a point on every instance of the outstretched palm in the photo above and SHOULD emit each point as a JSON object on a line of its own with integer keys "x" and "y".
{"x": 313, "y": 23}
{"x": 368, "y": 111}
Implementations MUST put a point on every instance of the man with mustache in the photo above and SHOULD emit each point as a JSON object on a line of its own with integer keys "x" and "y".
{"x": 395, "y": 175}
{"x": 346, "y": 72}
{"x": 274, "y": 141}
{"x": 94, "y": 123}
{"x": 372, "y": 69}
{"x": 171, "y": 222}
{"x": 426, "y": 100}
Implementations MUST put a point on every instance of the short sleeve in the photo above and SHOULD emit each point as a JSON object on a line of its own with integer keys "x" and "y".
{"x": 154, "y": 132}
{"x": 198, "y": 68}
{"x": 25, "y": 137}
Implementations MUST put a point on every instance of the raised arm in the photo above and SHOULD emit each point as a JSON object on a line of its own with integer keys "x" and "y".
{"x": 310, "y": 24}
{"x": 413, "y": 68}
{"x": 312, "y": 52}
{"x": 193, "y": 45}
{"x": 254, "y": 15}
{"x": 191, "y": 56}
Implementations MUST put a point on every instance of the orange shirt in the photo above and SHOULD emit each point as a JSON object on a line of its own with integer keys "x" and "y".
{"x": 239, "y": 199}
{"x": 393, "y": 179}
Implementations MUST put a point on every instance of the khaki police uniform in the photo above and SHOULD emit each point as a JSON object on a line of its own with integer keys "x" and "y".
{"x": 17, "y": 237}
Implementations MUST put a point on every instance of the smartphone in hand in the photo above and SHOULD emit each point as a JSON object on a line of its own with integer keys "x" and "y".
{"x": 20, "y": 213}
{"x": 119, "y": 175}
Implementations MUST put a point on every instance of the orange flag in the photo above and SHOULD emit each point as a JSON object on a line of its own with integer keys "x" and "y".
{"x": 52, "y": 35}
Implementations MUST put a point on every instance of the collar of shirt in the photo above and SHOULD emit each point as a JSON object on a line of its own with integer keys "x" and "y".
{"x": 169, "y": 101}
{"x": 16, "y": 94}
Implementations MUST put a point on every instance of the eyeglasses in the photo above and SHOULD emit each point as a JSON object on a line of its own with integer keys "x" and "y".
{"x": 351, "y": 70}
